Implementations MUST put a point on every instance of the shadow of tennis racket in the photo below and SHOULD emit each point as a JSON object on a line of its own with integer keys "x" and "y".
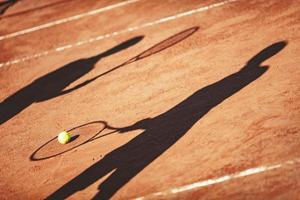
{"x": 167, "y": 43}
{"x": 80, "y": 135}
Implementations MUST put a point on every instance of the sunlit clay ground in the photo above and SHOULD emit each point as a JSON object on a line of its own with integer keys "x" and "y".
{"x": 164, "y": 99}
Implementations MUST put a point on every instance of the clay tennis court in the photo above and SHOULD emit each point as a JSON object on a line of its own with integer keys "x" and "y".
{"x": 164, "y": 99}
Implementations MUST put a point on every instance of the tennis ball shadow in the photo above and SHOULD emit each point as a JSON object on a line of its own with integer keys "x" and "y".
{"x": 73, "y": 138}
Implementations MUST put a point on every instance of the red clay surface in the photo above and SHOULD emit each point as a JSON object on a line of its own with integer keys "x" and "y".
{"x": 194, "y": 98}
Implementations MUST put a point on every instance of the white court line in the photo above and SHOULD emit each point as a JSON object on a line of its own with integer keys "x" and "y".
{"x": 213, "y": 181}
{"x": 100, "y": 37}
{"x": 65, "y": 20}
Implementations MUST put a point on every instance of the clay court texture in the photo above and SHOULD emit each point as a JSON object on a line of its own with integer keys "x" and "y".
{"x": 174, "y": 99}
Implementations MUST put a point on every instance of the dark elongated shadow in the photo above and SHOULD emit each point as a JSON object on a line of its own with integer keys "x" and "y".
{"x": 54, "y": 83}
{"x": 34, "y": 9}
{"x": 5, "y": 5}
{"x": 162, "y": 131}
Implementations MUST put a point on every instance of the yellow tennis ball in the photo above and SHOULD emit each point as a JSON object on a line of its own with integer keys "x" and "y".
{"x": 64, "y": 137}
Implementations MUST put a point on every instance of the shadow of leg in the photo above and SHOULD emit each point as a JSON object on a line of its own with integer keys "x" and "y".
{"x": 85, "y": 179}
{"x": 117, "y": 180}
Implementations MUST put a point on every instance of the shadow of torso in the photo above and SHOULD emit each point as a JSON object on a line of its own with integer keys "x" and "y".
{"x": 54, "y": 83}
{"x": 44, "y": 88}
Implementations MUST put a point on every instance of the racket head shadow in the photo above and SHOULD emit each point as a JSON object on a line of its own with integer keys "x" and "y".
{"x": 167, "y": 43}
{"x": 80, "y": 135}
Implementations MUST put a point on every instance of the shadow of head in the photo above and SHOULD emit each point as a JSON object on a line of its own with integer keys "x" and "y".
{"x": 266, "y": 53}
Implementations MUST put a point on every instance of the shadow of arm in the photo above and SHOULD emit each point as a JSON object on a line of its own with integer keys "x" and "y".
{"x": 76, "y": 87}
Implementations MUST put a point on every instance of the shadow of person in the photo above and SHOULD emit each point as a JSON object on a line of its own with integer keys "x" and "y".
{"x": 53, "y": 84}
{"x": 162, "y": 131}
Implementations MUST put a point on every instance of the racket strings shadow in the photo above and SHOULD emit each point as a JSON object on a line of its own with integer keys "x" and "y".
{"x": 162, "y": 131}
